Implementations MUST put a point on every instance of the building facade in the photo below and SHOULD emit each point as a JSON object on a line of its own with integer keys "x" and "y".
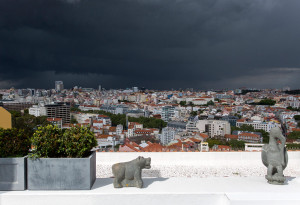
{"x": 167, "y": 113}
{"x": 5, "y": 119}
{"x": 59, "y": 110}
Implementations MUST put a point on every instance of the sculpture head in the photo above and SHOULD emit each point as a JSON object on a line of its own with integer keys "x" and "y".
{"x": 275, "y": 133}
{"x": 144, "y": 162}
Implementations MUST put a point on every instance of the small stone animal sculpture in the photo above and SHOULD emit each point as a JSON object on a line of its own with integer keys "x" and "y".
{"x": 274, "y": 157}
{"x": 129, "y": 174}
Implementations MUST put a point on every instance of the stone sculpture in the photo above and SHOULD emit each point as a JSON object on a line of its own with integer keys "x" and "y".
{"x": 274, "y": 157}
{"x": 129, "y": 174}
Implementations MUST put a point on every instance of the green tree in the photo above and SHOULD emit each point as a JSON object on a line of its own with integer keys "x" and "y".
{"x": 50, "y": 141}
{"x": 182, "y": 103}
{"x": 193, "y": 113}
{"x": 297, "y": 117}
{"x": 293, "y": 146}
{"x": 210, "y": 103}
{"x": 74, "y": 109}
{"x": 213, "y": 141}
{"x": 236, "y": 144}
{"x": 294, "y": 135}
{"x": 73, "y": 120}
{"x": 14, "y": 143}
{"x": 27, "y": 122}
{"x": 267, "y": 102}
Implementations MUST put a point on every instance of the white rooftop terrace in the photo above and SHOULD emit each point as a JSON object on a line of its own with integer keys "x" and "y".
{"x": 212, "y": 178}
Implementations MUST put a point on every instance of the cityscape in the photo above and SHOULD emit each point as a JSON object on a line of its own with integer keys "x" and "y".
{"x": 149, "y": 102}
{"x": 141, "y": 120}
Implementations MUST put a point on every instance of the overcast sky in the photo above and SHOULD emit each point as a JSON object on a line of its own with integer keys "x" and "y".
{"x": 158, "y": 44}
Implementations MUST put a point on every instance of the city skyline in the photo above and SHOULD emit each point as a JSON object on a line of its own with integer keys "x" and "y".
{"x": 152, "y": 44}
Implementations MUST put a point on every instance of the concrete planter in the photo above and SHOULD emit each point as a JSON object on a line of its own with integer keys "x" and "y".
{"x": 13, "y": 174}
{"x": 62, "y": 173}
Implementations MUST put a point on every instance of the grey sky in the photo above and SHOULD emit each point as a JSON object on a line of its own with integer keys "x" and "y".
{"x": 157, "y": 44}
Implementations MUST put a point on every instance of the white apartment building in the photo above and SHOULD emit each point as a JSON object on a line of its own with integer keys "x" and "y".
{"x": 119, "y": 129}
{"x": 214, "y": 127}
{"x": 167, "y": 135}
{"x": 259, "y": 125}
{"x": 167, "y": 113}
{"x": 285, "y": 115}
{"x": 191, "y": 126}
{"x": 37, "y": 111}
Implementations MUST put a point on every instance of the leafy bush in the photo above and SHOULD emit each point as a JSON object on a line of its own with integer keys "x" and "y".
{"x": 13, "y": 143}
{"x": 78, "y": 141}
{"x": 53, "y": 142}
{"x": 293, "y": 146}
{"x": 294, "y": 135}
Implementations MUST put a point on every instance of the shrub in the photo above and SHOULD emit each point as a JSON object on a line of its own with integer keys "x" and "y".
{"x": 52, "y": 142}
{"x": 78, "y": 141}
{"x": 13, "y": 143}
{"x": 46, "y": 142}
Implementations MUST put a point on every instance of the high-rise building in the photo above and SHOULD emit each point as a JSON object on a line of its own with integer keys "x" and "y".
{"x": 59, "y": 110}
{"x": 99, "y": 88}
{"x": 59, "y": 86}
{"x": 167, "y": 135}
{"x": 135, "y": 89}
{"x": 167, "y": 113}
{"x": 214, "y": 128}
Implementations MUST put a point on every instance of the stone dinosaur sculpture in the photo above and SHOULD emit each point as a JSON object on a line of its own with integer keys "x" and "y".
{"x": 274, "y": 157}
{"x": 129, "y": 174}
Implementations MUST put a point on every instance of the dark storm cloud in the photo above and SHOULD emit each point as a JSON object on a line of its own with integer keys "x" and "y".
{"x": 152, "y": 43}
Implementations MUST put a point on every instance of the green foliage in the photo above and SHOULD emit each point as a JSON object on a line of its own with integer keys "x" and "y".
{"x": 213, "y": 141}
{"x": 182, "y": 103}
{"x": 292, "y": 108}
{"x": 78, "y": 142}
{"x": 267, "y": 102}
{"x": 13, "y": 143}
{"x": 73, "y": 120}
{"x": 27, "y": 122}
{"x": 297, "y": 117}
{"x": 293, "y": 92}
{"x": 236, "y": 144}
{"x": 46, "y": 142}
{"x": 244, "y": 92}
{"x": 294, "y": 135}
{"x": 210, "y": 103}
{"x": 52, "y": 142}
{"x": 193, "y": 113}
{"x": 149, "y": 122}
{"x": 74, "y": 109}
{"x": 26, "y": 111}
{"x": 293, "y": 146}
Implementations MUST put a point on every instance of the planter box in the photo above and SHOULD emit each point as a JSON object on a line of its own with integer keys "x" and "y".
{"x": 13, "y": 174}
{"x": 62, "y": 173}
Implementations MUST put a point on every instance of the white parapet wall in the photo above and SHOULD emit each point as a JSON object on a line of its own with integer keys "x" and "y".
{"x": 196, "y": 164}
